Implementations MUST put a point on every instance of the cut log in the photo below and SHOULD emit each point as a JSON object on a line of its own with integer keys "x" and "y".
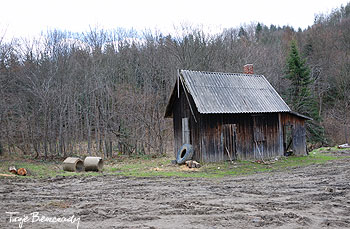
{"x": 192, "y": 164}
{"x": 189, "y": 164}
{"x": 73, "y": 164}
{"x": 12, "y": 169}
{"x": 196, "y": 164}
{"x": 22, "y": 172}
{"x": 93, "y": 164}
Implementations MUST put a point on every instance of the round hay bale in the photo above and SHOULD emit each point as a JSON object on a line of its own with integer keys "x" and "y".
{"x": 93, "y": 164}
{"x": 73, "y": 164}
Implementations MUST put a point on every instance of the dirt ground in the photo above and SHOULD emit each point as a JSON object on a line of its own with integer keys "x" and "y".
{"x": 316, "y": 196}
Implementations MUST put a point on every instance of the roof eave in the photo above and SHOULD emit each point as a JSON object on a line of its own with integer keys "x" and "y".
{"x": 300, "y": 115}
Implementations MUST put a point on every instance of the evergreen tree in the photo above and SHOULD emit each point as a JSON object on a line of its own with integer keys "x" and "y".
{"x": 299, "y": 95}
{"x": 258, "y": 30}
{"x": 242, "y": 33}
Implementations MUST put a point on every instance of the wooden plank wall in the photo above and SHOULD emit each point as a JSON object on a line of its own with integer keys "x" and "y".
{"x": 180, "y": 110}
{"x": 298, "y": 132}
{"x": 209, "y": 136}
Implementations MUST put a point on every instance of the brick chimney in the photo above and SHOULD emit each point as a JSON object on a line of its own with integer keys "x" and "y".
{"x": 248, "y": 69}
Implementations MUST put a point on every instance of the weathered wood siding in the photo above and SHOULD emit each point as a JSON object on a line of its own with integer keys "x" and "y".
{"x": 180, "y": 110}
{"x": 254, "y": 136}
{"x": 298, "y": 132}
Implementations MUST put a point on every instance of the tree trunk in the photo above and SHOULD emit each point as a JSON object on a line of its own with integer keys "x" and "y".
{"x": 1, "y": 150}
{"x": 88, "y": 127}
{"x": 60, "y": 134}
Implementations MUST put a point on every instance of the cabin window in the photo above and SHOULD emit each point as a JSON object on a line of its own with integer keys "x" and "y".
{"x": 185, "y": 131}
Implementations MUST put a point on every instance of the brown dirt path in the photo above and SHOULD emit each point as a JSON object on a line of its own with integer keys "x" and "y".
{"x": 316, "y": 196}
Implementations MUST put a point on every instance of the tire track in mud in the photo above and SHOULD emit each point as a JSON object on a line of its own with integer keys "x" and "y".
{"x": 315, "y": 196}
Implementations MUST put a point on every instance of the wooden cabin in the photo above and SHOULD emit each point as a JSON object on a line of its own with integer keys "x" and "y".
{"x": 228, "y": 116}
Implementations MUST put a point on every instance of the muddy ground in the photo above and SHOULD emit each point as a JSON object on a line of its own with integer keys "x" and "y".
{"x": 316, "y": 196}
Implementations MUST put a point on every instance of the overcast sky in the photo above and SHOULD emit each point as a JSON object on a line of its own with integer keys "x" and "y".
{"x": 23, "y": 18}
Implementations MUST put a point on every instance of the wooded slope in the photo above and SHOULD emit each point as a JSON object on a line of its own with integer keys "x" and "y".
{"x": 106, "y": 91}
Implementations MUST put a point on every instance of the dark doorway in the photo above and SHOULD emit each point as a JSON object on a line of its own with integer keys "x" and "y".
{"x": 288, "y": 140}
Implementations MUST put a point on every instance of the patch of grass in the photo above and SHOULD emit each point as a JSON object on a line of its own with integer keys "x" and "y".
{"x": 113, "y": 169}
{"x": 34, "y": 168}
{"x": 329, "y": 149}
{"x": 149, "y": 167}
{"x": 163, "y": 167}
{"x": 40, "y": 169}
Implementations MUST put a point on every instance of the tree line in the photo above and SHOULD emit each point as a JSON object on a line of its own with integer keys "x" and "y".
{"x": 105, "y": 92}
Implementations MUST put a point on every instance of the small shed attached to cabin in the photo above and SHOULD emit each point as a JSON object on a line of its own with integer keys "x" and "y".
{"x": 228, "y": 116}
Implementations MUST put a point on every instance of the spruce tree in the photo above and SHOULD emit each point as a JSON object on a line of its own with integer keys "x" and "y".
{"x": 299, "y": 95}
{"x": 258, "y": 31}
{"x": 242, "y": 33}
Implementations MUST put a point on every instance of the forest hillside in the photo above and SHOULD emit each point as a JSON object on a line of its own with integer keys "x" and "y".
{"x": 105, "y": 91}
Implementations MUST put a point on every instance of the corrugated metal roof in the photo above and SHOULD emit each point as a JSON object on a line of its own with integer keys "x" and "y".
{"x": 215, "y": 92}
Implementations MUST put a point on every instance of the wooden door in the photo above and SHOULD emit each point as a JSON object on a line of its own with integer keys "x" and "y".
{"x": 229, "y": 141}
{"x": 260, "y": 131}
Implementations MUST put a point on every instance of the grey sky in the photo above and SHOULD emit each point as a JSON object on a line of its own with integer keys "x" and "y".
{"x": 23, "y": 18}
